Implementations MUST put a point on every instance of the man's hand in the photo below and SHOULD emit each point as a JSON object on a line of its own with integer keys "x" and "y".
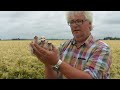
{"x": 45, "y": 56}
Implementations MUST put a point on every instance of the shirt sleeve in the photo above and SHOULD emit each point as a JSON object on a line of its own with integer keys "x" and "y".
{"x": 62, "y": 47}
{"x": 98, "y": 64}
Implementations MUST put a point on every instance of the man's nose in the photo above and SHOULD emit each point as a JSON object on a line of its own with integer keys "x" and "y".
{"x": 74, "y": 26}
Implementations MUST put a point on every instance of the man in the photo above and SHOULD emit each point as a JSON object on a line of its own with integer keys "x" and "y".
{"x": 82, "y": 57}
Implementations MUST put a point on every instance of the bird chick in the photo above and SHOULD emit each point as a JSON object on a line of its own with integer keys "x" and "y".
{"x": 45, "y": 44}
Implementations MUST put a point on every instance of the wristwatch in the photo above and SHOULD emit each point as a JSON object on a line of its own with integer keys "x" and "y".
{"x": 57, "y": 66}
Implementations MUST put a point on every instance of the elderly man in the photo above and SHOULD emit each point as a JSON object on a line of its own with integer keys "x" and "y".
{"x": 82, "y": 57}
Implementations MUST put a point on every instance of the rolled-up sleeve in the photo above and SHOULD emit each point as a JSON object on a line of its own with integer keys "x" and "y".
{"x": 98, "y": 64}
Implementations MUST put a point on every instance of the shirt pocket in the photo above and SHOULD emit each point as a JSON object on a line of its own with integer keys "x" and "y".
{"x": 81, "y": 62}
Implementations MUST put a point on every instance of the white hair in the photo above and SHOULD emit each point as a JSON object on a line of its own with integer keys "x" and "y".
{"x": 88, "y": 15}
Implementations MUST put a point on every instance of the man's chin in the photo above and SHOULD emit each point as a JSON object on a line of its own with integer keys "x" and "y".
{"x": 77, "y": 36}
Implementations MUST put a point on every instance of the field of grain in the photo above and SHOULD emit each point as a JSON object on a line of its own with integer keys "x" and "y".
{"x": 115, "y": 68}
{"x": 16, "y": 61}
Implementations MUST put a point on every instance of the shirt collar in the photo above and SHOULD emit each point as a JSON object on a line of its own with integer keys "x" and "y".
{"x": 90, "y": 40}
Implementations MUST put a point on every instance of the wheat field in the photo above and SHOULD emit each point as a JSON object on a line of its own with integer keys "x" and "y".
{"x": 16, "y": 61}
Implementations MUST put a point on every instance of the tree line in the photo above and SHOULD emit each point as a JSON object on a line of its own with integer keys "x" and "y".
{"x": 106, "y": 38}
{"x": 111, "y": 38}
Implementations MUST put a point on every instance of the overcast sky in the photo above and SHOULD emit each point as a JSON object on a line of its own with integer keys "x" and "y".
{"x": 52, "y": 24}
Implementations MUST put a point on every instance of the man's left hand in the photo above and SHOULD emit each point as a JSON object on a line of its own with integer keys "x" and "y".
{"x": 45, "y": 56}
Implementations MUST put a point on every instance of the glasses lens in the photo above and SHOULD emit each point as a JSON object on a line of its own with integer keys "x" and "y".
{"x": 77, "y": 22}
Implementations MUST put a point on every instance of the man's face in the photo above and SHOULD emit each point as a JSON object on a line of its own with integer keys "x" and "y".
{"x": 80, "y": 27}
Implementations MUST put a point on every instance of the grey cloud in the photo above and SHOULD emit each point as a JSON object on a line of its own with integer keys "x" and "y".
{"x": 52, "y": 24}
{"x": 112, "y": 17}
{"x": 26, "y": 24}
{"x": 106, "y": 31}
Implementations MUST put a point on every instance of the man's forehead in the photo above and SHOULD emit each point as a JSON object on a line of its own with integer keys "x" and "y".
{"x": 76, "y": 16}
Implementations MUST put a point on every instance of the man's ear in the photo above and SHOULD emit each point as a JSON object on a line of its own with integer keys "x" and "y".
{"x": 91, "y": 27}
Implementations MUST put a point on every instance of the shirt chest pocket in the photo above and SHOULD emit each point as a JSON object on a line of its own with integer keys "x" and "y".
{"x": 81, "y": 62}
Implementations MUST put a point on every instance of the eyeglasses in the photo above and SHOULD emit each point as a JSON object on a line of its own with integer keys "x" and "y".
{"x": 77, "y": 22}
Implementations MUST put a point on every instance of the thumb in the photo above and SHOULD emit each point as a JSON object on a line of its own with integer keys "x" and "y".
{"x": 54, "y": 49}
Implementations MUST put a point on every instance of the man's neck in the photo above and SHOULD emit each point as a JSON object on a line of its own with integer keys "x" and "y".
{"x": 80, "y": 41}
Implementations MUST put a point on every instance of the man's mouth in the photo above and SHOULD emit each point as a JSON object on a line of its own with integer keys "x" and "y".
{"x": 76, "y": 30}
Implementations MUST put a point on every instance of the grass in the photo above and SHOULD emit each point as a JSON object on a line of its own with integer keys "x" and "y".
{"x": 16, "y": 62}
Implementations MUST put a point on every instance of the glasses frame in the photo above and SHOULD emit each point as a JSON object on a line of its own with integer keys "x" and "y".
{"x": 77, "y": 22}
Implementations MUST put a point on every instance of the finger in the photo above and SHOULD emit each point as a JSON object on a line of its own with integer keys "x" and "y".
{"x": 41, "y": 57}
{"x": 54, "y": 48}
{"x": 31, "y": 43}
{"x": 36, "y": 51}
{"x": 40, "y": 49}
{"x": 30, "y": 48}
